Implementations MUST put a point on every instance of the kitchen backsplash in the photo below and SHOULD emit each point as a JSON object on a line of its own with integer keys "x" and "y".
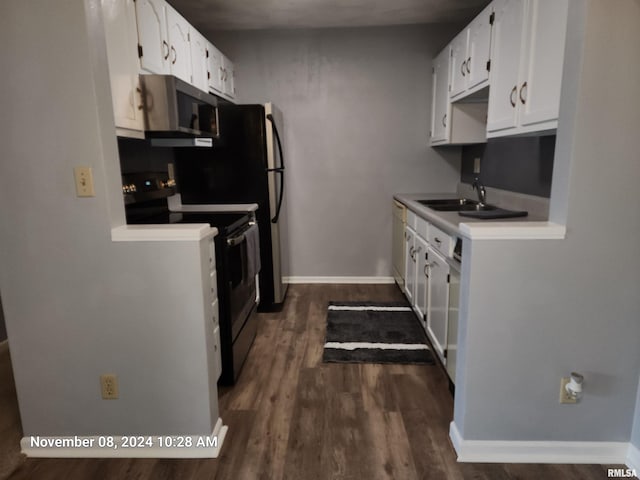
{"x": 139, "y": 156}
{"x": 522, "y": 164}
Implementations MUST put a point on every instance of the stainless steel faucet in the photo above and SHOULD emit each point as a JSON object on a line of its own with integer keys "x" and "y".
{"x": 482, "y": 193}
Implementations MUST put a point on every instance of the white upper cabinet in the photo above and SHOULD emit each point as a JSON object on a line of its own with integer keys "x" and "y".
{"x": 214, "y": 69}
{"x": 151, "y": 17}
{"x": 526, "y": 66}
{"x": 539, "y": 94}
{"x": 228, "y": 79}
{"x": 119, "y": 18}
{"x": 470, "y": 54}
{"x": 479, "y": 50}
{"x": 440, "y": 97}
{"x": 180, "y": 50}
{"x": 458, "y": 64}
{"x": 199, "y": 61}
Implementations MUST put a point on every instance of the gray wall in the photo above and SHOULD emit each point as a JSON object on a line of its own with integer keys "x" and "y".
{"x": 522, "y": 164}
{"x": 78, "y": 305}
{"x": 533, "y": 311}
{"x": 356, "y": 106}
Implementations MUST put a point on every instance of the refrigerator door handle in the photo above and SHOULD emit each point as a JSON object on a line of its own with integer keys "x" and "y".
{"x": 277, "y": 215}
{"x": 279, "y": 170}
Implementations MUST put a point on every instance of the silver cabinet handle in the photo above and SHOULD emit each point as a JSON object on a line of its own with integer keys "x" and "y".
{"x": 444, "y": 120}
{"x": 426, "y": 270}
{"x": 468, "y": 63}
{"x": 463, "y": 67}
{"x": 437, "y": 240}
{"x": 514, "y": 90}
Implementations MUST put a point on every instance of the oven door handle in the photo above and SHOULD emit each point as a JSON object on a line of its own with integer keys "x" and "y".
{"x": 238, "y": 239}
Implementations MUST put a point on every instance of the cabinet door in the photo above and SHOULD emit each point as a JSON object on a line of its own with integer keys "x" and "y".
{"x": 479, "y": 48}
{"x": 151, "y": 18}
{"x": 422, "y": 277}
{"x": 440, "y": 97}
{"x": 505, "y": 60}
{"x": 180, "y": 51}
{"x": 437, "y": 312}
{"x": 121, "y": 39}
{"x": 228, "y": 86}
{"x": 214, "y": 68}
{"x": 459, "y": 67}
{"x": 199, "y": 61}
{"x": 410, "y": 265}
{"x": 539, "y": 90}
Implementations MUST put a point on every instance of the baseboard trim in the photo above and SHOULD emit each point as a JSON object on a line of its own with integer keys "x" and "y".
{"x": 340, "y": 280}
{"x": 633, "y": 458}
{"x": 209, "y": 446}
{"x": 492, "y": 451}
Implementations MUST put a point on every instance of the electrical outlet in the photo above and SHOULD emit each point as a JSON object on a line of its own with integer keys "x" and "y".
{"x": 564, "y": 395}
{"x": 476, "y": 165}
{"x": 109, "y": 384}
{"x": 84, "y": 182}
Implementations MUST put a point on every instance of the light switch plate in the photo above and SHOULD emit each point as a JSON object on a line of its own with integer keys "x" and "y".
{"x": 84, "y": 182}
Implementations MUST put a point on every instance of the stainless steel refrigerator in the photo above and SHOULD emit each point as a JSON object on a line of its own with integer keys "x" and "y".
{"x": 246, "y": 165}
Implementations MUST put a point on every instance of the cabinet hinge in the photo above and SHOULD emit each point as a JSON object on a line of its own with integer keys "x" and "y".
{"x": 488, "y": 65}
{"x": 139, "y": 51}
{"x": 448, "y": 278}
{"x": 449, "y": 87}
{"x": 492, "y": 18}
{"x": 208, "y": 75}
{"x": 207, "y": 53}
{"x": 189, "y": 36}
{"x": 444, "y": 353}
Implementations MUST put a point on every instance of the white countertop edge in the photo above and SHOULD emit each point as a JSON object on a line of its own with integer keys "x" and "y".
{"x": 187, "y": 232}
{"x": 513, "y": 231}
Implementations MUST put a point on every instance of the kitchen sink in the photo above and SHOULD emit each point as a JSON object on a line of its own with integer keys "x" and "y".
{"x": 456, "y": 205}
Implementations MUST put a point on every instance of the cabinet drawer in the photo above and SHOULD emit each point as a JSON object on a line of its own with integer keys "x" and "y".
{"x": 440, "y": 241}
{"x": 411, "y": 219}
{"x": 422, "y": 228}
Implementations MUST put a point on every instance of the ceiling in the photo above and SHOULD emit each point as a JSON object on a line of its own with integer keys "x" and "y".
{"x": 209, "y": 15}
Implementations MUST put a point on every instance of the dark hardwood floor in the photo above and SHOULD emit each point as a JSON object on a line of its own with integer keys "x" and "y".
{"x": 293, "y": 417}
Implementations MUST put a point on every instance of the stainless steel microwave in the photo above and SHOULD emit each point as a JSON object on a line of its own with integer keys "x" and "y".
{"x": 175, "y": 109}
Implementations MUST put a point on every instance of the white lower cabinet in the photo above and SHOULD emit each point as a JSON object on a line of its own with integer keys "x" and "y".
{"x": 410, "y": 264}
{"x": 422, "y": 278}
{"x": 437, "y": 311}
{"x": 431, "y": 285}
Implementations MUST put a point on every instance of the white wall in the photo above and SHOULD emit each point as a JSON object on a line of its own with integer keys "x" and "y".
{"x": 536, "y": 310}
{"x": 76, "y": 304}
{"x": 356, "y": 105}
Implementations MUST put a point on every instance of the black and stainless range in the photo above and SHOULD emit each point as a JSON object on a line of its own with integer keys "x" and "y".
{"x": 237, "y": 261}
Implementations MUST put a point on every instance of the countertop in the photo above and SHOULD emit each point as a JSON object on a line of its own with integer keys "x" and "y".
{"x": 178, "y": 232}
{"x": 530, "y": 227}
